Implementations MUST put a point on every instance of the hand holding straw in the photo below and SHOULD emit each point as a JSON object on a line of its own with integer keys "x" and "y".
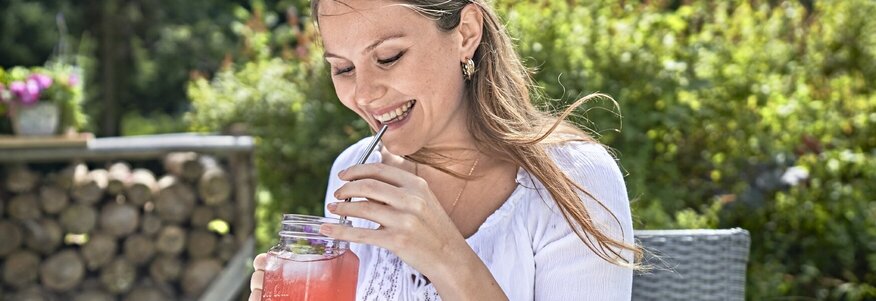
{"x": 364, "y": 156}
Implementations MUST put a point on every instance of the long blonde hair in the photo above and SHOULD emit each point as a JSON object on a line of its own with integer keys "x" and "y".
{"x": 504, "y": 121}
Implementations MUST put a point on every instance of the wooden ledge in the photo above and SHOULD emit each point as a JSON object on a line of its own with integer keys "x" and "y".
{"x": 43, "y": 149}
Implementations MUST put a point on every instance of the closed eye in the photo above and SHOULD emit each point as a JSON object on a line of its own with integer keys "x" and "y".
{"x": 391, "y": 60}
{"x": 342, "y": 71}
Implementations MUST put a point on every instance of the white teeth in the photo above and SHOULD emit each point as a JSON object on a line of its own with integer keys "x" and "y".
{"x": 388, "y": 116}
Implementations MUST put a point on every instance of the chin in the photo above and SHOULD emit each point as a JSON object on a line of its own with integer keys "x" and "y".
{"x": 401, "y": 149}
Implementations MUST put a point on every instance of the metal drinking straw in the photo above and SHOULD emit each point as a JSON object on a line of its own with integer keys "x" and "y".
{"x": 364, "y": 156}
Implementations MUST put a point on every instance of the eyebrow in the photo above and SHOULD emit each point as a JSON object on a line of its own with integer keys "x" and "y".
{"x": 370, "y": 47}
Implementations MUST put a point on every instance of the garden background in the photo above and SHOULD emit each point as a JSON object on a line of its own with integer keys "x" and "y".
{"x": 754, "y": 114}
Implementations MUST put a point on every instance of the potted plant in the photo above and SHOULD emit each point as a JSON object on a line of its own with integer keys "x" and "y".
{"x": 41, "y": 101}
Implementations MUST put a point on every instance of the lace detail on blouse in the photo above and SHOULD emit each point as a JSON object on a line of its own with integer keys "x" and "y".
{"x": 391, "y": 277}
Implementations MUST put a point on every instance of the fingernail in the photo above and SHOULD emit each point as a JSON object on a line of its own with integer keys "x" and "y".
{"x": 342, "y": 173}
{"x": 325, "y": 230}
{"x": 332, "y": 207}
{"x": 337, "y": 195}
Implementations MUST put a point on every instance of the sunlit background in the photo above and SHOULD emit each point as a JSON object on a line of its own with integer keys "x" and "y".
{"x": 755, "y": 114}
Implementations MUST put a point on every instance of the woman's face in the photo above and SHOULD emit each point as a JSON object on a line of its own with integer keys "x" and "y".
{"x": 393, "y": 66}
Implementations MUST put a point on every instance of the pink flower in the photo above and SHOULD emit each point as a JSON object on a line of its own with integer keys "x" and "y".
{"x": 73, "y": 80}
{"x": 33, "y": 92}
{"x": 43, "y": 81}
{"x": 28, "y": 92}
{"x": 17, "y": 88}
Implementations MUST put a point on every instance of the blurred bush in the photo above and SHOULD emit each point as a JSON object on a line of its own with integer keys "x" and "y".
{"x": 754, "y": 114}
{"x": 281, "y": 93}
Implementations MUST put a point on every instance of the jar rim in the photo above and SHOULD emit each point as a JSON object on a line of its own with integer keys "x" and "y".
{"x": 303, "y": 226}
{"x": 291, "y": 218}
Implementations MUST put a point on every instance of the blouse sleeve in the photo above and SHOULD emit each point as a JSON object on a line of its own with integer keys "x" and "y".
{"x": 344, "y": 160}
{"x": 565, "y": 268}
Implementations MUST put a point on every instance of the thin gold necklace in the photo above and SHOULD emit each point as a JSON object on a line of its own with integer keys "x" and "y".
{"x": 458, "y": 195}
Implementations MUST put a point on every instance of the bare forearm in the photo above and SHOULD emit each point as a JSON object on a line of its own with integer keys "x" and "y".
{"x": 465, "y": 277}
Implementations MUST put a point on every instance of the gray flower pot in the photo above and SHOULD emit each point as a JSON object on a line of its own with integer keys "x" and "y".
{"x": 40, "y": 119}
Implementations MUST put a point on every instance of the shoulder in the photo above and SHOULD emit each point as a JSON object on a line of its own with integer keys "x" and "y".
{"x": 596, "y": 172}
{"x": 594, "y": 169}
{"x": 584, "y": 162}
{"x": 349, "y": 155}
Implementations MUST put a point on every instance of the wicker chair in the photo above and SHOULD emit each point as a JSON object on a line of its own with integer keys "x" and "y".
{"x": 692, "y": 265}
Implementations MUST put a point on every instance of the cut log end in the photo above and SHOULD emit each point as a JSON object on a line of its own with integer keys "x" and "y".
{"x": 119, "y": 219}
{"x": 171, "y": 240}
{"x": 62, "y": 271}
{"x": 25, "y": 207}
{"x": 98, "y": 251}
{"x": 10, "y": 236}
{"x": 53, "y": 199}
{"x": 43, "y": 236}
{"x": 165, "y": 268}
{"x": 20, "y": 179}
{"x": 79, "y": 218}
{"x": 139, "y": 249}
{"x": 150, "y": 224}
{"x": 202, "y": 215}
{"x": 142, "y": 187}
{"x": 118, "y": 276}
{"x": 198, "y": 274}
{"x": 93, "y": 295}
{"x": 214, "y": 187}
{"x": 89, "y": 186}
{"x": 175, "y": 200}
{"x": 201, "y": 244}
{"x": 146, "y": 293}
{"x": 185, "y": 165}
{"x": 21, "y": 269}
{"x": 118, "y": 176}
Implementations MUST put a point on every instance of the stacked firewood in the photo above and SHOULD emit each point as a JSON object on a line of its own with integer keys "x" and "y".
{"x": 115, "y": 232}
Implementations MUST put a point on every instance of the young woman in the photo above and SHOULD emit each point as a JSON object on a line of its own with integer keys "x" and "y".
{"x": 474, "y": 193}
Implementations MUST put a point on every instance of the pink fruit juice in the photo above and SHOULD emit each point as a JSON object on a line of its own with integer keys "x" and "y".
{"x": 307, "y": 266}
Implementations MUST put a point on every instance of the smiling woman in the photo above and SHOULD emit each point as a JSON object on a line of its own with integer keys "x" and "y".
{"x": 474, "y": 193}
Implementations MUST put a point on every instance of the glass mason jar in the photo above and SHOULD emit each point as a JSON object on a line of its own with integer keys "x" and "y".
{"x": 308, "y": 266}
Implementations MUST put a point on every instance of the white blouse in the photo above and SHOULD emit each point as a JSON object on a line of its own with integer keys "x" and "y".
{"x": 527, "y": 245}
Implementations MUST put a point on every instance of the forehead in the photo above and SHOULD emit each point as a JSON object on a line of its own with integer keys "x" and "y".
{"x": 353, "y": 22}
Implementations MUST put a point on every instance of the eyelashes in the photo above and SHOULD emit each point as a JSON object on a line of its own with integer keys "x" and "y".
{"x": 343, "y": 71}
{"x": 385, "y": 62}
{"x": 391, "y": 60}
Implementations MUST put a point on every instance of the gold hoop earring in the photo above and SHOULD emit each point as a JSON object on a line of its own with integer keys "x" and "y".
{"x": 468, "y": 69}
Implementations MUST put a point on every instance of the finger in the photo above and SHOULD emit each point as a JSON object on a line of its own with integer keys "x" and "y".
{"x": 371, "y": 189}
{"x": 374, "y": 211}
{"x": 392, "y": 175}
{"x": 260, "y": 261}
{"x": 256, "y": 295}
{"x": 257, "y": 280}
{"x": 352, "y": 234}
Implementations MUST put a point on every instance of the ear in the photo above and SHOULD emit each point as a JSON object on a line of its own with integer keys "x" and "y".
{"x": 470, "y": 29}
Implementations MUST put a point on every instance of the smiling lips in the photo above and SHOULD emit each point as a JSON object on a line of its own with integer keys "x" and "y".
{"x": 396, "y": 115}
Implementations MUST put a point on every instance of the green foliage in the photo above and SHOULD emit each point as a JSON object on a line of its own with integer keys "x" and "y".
{"x": 755, "y": 114}
{"x": 288, "y": 103}
{"x": 135, "y": 124}
{"x": 721, "y": 99}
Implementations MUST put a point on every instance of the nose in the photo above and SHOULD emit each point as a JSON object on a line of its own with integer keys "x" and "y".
{"x": 369, "y": 87}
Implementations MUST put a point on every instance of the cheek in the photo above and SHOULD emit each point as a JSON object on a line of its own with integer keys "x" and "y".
{"x": 431, "y": 76}
{"x": 344, "y": 91}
